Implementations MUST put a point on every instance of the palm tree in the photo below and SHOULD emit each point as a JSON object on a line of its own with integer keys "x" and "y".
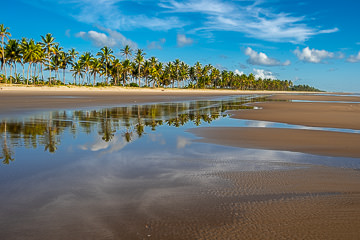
{"x": 77, "y": 69}
{"x": 176, "y": 72}
{"x": 117, "y": 68}
{"x": 146, "y": 71}
{"x": 65, "y": 60}
{"x": 197, "y": 73}
{"x": 139, "y": 59}
{"x": 55, "y": 65}
{"x": 127, "y": 67}
{"x": 126, "y": 51}
{"x": 105, "y": 57}
{"x": 86, "y": 62}
{"x": 31, "y": 53}
{"x": 214, "y": 76}
{"x": 48, "y": 46}
{"x": 183, "y": 72}
{"x": 95, "y": 67}
{"x": 12, "y": 52}
{"x": 73, "y": 54}
{"x": 3, "y": 34}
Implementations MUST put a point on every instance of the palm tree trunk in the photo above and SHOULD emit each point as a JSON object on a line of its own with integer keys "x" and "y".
{"x": 64, "y": 76}
{"x": 94, "y": 79}
{"x": 34, "y": 73}
{"x": 49, "y": 68}
{"x": 10, "y": 73}
{"x": 42, "y": 72}
{"x": 23, "y": 65}
{"x": 27, "y": 81}
{"x": 15, "y": 70}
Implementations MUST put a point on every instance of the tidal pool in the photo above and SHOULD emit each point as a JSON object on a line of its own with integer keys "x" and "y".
{"x": 93, "y": 173}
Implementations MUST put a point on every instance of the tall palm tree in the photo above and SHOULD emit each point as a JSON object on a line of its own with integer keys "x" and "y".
{"x": 127, "y": 67}
{"x": 48, "y": 46}
{"x": 126, "y": 51}
{"x": 77, "y": 70}
{"x": 65, "y": 60}
{"x": 176, "y": 72}
{"x": 12, "y": 52}
{"x": 31, "y": 53}
{"x": 214, "y": 76}
{"x": 73, "y": 54}
{"x": 3, "y": 34}
{"x": 117, "y": 70}
{"x": 86, "y": 62}
{"x": 183, "y": 72}
{"x": 106, "y": 56}
{"x": 139, "y": 60}
{"x": 146, "y": 71}
{"x": 197, "y": 73}
{"x": 55, "y": 64}
{"x": 95, "y": 68}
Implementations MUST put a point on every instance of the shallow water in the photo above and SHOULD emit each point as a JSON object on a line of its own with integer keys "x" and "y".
{"x": 71, "y": 173}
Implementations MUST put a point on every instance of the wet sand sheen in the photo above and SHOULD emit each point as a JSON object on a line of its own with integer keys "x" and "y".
{"x": 295, "y": 140}
{"x": 311, "y": 202}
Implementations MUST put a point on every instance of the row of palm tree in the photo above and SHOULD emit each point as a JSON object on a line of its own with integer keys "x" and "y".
{"x": 134, "y": 69}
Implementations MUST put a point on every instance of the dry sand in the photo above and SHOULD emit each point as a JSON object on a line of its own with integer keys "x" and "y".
{"x": 308, "y": 203}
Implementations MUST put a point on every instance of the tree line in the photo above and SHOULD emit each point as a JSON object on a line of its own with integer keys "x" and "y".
{"x": 104, "y": 69}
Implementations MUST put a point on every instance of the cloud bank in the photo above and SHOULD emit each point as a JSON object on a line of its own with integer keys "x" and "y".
{"x": 354, "y": 58}
{"x": 312, "y": 55}
{"x": 110, "y": 38}
{"x": 262, "y": 59}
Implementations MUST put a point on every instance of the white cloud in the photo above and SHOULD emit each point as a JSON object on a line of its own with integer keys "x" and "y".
{"x": 256, "y": 58}
{"x": 261, "y": 73}
{"x": 182, "y": 40}
{"x": 156, "y": 44}
{"x": 312, "y": 55}
{"x": 254, "y": 18}
{"x": 204, "y": 6}
{"x": 111, "y": 14}
{"x": 110, "y": 38}
{"x": 354, "y": 58}
{"x": 248, "y": 17}
{"x": 238, "y": 72}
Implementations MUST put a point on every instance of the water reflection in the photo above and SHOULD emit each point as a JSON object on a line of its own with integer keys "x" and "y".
{"x": 47, "y": 130}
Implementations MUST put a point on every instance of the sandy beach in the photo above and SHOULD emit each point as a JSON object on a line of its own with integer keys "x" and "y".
{"x": 20, "y": 99}
{"x": 305, "y": 202}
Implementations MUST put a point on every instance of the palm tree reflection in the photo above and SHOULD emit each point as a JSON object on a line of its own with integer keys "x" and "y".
{"x": 130, "y": 121}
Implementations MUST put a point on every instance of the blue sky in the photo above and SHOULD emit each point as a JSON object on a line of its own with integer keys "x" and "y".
{"x": 309, "y": 42}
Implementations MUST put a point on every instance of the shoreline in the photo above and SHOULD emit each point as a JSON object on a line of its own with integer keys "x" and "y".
{"x": 15, "y": 100}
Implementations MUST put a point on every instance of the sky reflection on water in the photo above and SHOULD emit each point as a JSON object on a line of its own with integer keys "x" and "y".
{"x": 70, "y": 167}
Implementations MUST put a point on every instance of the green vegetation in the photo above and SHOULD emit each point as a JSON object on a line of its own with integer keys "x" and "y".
{"x": 306, "y": 88}
{"x": 104, "y": 69}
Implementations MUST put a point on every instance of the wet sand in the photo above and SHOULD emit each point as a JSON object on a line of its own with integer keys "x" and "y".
{"x": 307, "y": 202}
{"x": 20, "y": 99}
{"x": 333, "y": 115}
{"x": 295, "y": 210}
{"x": 295, "y": 140}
